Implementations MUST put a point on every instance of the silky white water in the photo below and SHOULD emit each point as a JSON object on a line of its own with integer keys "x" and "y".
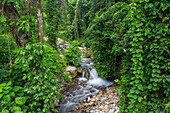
{"x": 91, "y": 87}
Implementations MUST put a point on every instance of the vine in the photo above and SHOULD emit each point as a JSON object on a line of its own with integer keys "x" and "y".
{"x": 145, "y": 87}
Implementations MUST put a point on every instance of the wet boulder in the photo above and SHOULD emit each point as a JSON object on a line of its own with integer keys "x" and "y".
{"x": 79, "y": 69}
{"x": 72, "y": 70}
{"x": 85, "y": 60}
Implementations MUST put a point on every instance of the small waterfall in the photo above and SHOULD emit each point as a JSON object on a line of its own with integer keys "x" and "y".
{"x": 89, "y": 88}
{"x": 93, "y": 74}
{"x": 83, "y": 72}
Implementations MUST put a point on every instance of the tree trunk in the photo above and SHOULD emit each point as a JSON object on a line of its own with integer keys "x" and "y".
{"x": 75, "y": 22}
{"x": 39, "y": 20}
{"x": 19, "y": 36}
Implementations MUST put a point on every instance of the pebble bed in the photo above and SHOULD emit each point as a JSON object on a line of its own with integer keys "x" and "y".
{"x": 104, "y": 102}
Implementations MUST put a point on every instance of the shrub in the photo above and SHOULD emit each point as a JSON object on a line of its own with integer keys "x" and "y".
{"x": 12, "y": 99}
{"x": 35, "y": 71}
{"x": 72, "y": 54}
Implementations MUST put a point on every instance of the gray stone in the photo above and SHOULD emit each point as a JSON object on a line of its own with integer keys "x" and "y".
{"x": 85, "y": 60}
{"x": 72, "y": 70}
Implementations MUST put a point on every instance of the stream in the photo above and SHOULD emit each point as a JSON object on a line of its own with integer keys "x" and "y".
{"x": 84, "y": 88}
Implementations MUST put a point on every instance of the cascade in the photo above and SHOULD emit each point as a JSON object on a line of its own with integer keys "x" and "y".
{"x": 87, "y": 88}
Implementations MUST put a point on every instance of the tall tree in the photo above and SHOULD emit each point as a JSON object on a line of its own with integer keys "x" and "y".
{"x": 39, "y": 20}
{"x": 19, "y": 35}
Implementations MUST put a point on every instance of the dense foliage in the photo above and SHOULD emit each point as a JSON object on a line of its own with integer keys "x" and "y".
{"x": 73, "y": 54}
{"x": 30, "y": 71}
{"x": 106, "y": 40}
{"x": 4, "y": 59}
{"x": 34, "y": 76}
{"x": 145, "y": 83}
{"x": 128, "y": 40}
{"x": 131, "y": 41}
{"x": 52, "y": 21}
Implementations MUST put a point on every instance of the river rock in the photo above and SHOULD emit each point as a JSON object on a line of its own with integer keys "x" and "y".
{"x": 66, "y": 45}
{"x": 87, "y": 73}
{"x": 79, "y": 69}
{"x": 92, "y": 111}
{"x": 59, "y": 41}
{"x": 72, "y": 70}
{"x": 88, "y": 99}
{"x": 86, "y": 104}
{"x": 61, "y": 90}
{"x": 111, "y": 111}
{"x": 62, "y": 56}
{"x": 85, "y": 60}
{"x": 56, "y": 101}
{"x": 101, "y": 107}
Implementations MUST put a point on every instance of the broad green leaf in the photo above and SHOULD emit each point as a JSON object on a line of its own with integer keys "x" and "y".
{"x": 20, "y": 94}
{"x": 24, "y": 77}
{"x": 3, "y": 2}
{"x": 27, "y": 28}
{"x": 7, "y": 88}
{"x": 9, "y": 83}
{"x": 17, "y": 108}
{"x": 19, "y": 112}
{"x": 135, "y": 96}
{"x": 16, "y": 88}
{"x": 4, "y": 111}
{"x": 140, "y": 86}
{"x": 1, "y": 95}
{"x": 19, "y": 28}
{"x": 154, "y": 84}
{"x": 6, "y": 91}
{"x": 24, "y": 35}
{"x": 6, "y": 98}
{"x": 133, "y": 100}
{"x": 150, "y": 86}
{"x": 156, "y": 79}
{"x": 20, "y": 100}
{"x": 3, "y": 84}
{"x": 137, "y": 91}
{"x": 139, "y": 99}
{"x": 168, "y": 78}
{"x": 11, "y": 23}
{"x": 12, "y": 94}
{"x": 0, "y": 89}
{"x": 132, "y": 91}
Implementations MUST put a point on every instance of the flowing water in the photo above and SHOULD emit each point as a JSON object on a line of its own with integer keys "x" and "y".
{"x": 85, "y": 87}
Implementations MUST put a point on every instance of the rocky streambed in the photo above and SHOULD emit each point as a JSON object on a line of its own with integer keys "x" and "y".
{"x": 87, "y": 93}
{"x": 92, "y": 95}
{"x": 104, "y": 102}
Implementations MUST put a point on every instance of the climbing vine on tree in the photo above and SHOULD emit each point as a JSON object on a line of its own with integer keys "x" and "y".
{"x": 145, "y": 83}
{"x": 132, "y": 39}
